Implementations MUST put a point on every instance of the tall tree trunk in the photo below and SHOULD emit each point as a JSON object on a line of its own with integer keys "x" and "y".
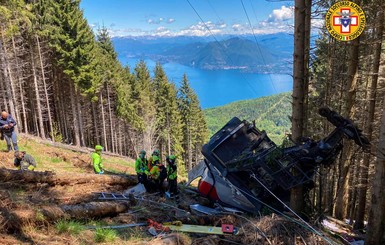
{"x": 110, "y": 119}
{"x": 376, "y": 223}
{"x": 19, "y": 81}
{"x": 37, "y": 96}
{"x": 340, "y": 208}
{"x": 104, "y": 135}
{"x": 75, "y": 122}
{"x": 6, "y": 71}
{"x": 364, "y": 168}
{"x": 79, "y": 115}
{"x": 189, "y": 149}
{"x": 299, "y": 88}
{"x": 45, "y": 88}
{"x": 95, "y": 121}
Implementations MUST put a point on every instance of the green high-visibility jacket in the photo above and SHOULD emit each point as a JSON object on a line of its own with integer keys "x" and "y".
{"x": 97, "y": 162}
{"x": 155, "y": 172}
{"x": 141, "y": 166}
{"x": 172, "y": 172}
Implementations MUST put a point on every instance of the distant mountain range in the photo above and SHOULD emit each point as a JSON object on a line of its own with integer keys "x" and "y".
{"x": 263, "y": 54}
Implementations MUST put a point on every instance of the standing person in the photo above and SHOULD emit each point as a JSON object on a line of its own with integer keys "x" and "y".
{"x": 97, "y": 160}
{"x": 155, "y": 154}
{"x": 158, "y": 174}
{"x": 7, "y": 127}
{"x": 24, "y": 161}
{"x": 154, "y": 174}
{"x": 172, "y": 175}
{"x": 141, "y": 168}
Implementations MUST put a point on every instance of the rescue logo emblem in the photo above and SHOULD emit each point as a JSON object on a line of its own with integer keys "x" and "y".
{"x": 345, "y": 20}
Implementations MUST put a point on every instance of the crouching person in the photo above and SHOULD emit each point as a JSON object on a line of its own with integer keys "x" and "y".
{"x": 141, "y": 168}
{"x": 24, "y": 161}
{"x": 172, "y": 175}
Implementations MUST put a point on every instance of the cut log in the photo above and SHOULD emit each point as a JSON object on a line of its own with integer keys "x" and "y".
{"x": 15, "y": 219}
{"x": 53, "y": 178}
{"x": 86, "y": 210}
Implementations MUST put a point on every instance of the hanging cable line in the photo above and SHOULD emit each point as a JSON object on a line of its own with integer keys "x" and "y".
{"x": 258, "y": 46}
{"x": 222, "y": 47}
{"x": 301, "y": 221}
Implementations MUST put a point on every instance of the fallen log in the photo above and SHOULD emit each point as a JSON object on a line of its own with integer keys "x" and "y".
{"x": 15, "y": 219}
{"x": 53, "y": 178}
{"x": 86, "y": 210}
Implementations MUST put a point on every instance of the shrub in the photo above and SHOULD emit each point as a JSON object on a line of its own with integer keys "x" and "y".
{"x": 105, "y": 235}
{"x": 69, "y": 226}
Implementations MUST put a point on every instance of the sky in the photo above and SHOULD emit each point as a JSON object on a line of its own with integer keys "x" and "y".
{"x": 189, "y": 17}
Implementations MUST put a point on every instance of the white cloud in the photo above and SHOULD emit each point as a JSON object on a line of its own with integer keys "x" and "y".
{"x": 157, "y": 21}
{"x": 126, "y": 32}
{"x": 282, "y": 14}
{"x": 153, "y": 21}
{"x": 204, "y": 29}
{"x": 170, "y": 20}
{"x": 162, "y": 31}
{"x": 263, "y": 27}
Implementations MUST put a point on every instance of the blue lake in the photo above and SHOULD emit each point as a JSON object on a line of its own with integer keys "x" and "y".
{"x": 220, "y": 87}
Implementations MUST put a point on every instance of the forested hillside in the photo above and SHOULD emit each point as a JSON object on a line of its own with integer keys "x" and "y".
{"x": 60, "y": 81}
{"x": 270, "y": 114}
{"x": 347, "y": 76}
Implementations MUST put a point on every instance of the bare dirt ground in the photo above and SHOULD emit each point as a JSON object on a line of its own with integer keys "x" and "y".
{"x": 31, "y": 213}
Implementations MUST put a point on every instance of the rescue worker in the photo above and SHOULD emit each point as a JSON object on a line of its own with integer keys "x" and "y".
{"x": 97, "y": 160}
{"x": 141, "y": 168}
{"x": 154, "y": 174}
{"x": 151, "y": 160}
{"x": 7, "y": 130}
{"x": 24, "y": 161}
{"x": 158, "y": 174}
{"x": 172, "y": 175}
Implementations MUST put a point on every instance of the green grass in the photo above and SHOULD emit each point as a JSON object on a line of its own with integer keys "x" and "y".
{"x": 69, "y": 226}
{"x": 105, "y": 235}
{"x": 56, "y": 160}
{"x": 49, "y": 158}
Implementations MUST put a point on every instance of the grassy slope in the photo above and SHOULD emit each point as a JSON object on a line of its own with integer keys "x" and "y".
{"x": 21, "y": 197}
{"x": 50, "y": 158}
{"x": 270, "y": 114}
{"x": 32, "y": 196}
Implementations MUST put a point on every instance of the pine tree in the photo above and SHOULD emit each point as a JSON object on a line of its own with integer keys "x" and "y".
{"x": 193, "y": 123}
{"x": 167, "y": 114}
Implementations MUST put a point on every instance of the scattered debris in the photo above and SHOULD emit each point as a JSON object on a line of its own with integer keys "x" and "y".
{"x": 116, "y": 226}
{"x": 204, "y": 210}
{"x": 223, "y": 230}
{"x": 342, "y": 230}
{"x": 136, "y": 190}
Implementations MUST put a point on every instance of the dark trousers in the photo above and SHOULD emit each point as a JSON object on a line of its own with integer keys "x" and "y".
{"x": 11, "y": 138}
{"x": 154, "y": 185}
{"x": 173, "y": 186}
{"x": 142, "y": 178}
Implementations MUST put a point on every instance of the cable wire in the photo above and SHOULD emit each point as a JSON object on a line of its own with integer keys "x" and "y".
{"x": 303, "y": 224}
{"x": 221, "y": 46}
{"x": 258, "y": 46}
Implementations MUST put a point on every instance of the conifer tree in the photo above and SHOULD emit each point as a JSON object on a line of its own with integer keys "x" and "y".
{"x": 193, "y": 124}
{"x": 144, "y": 102}
{"x": 167, "y": 113}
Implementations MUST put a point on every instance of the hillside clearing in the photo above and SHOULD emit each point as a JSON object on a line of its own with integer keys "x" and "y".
{"x": 54, "y": 213}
